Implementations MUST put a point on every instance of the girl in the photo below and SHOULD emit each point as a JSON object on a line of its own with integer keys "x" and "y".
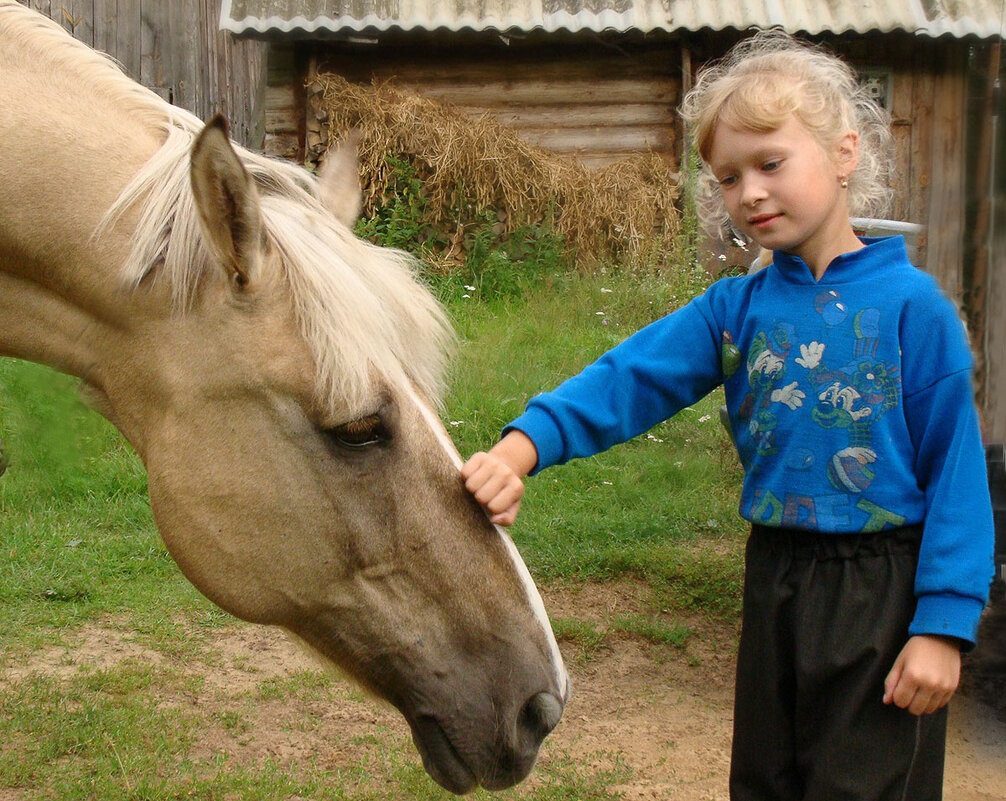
{"x": 848, "y": 383}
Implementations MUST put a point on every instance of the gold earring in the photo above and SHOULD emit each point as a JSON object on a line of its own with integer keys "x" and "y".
{"x": 844, "y": 183}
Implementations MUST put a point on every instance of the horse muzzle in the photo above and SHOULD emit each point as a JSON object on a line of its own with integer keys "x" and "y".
{"x": 459, "y": 765}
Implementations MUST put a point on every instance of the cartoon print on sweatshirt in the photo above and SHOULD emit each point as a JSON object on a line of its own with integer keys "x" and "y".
{"x": 849, "y": 389}
{"x": 853, "y": 397}
{"x": 766, "y": 365}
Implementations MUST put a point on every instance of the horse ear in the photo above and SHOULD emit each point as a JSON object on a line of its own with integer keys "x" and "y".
{"x": 339, "y": 180}
{"x": 227, "y": 202}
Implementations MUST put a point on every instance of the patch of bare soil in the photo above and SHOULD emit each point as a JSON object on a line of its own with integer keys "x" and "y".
{"x": 985, "y": 669}
{"x": 662, "y": 713}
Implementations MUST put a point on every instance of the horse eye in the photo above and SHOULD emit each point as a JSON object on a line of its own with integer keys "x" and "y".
{"x": 360, "y": 433}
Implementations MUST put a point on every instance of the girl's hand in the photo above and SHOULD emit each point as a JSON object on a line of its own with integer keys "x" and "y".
{"x": 925, "y": 674}
{"x": 496, "y": 478}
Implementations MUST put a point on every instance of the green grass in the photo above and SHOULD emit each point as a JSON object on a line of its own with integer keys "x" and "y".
{"x": 662, "y": 507}
{"x": 129, "y": 732}
{"x": 78, "y": 547}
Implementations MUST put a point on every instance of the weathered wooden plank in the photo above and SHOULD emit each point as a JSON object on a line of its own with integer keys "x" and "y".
{"x": 622, "y": 114}
{"x": 567, "y": 64}
{"x": 105, "y": 30}
{"x": 129, "y": 36}
{"x": 148, "y": 42}
{"x": 589, "y": 140}
{"x": 901, "y": 128}
{"x": 947, "y": 188}
{"x": 280, "y": 101}
{"x": 81, "y": 13}
{"x": 63, "y": 14}
{"x": 184, "y": 20}
{"x": 223, "y": 46}
{"x": 211, "y": 63}
{"x": 155, "y": 48}
{"x": 280, "y": 120}
{"x": 285, "y": 146}
{"x": 995, "y": 335}
{"x": 257, "y": 129}
{"x": 921, "y": 144}
{"x": 977, "y": 264}
{"x": 532, "y": 93}
{"x": 243, "y": 69}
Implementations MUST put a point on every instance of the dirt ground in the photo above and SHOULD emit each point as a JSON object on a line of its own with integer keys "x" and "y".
{"x": 662, "y": 713}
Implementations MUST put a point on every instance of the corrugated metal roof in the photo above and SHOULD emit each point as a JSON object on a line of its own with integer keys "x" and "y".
{"x": 958, "y": 18}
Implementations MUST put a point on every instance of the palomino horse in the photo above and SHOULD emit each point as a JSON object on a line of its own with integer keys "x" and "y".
{"x": 276, "y": 376}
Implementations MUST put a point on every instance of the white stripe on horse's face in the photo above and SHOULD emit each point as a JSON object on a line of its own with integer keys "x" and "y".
{"x": 533, "y": 596}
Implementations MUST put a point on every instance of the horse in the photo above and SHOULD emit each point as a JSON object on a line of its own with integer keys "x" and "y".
{"x": 279, "y": 379}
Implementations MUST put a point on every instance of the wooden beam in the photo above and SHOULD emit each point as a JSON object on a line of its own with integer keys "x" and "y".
{"x": 979, "y": 278}
{"x": 944, "y": 258}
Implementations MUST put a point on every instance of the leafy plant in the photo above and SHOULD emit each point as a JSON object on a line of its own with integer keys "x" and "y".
{"x": 402, "y": 221}
{"x": 503, "y": 264}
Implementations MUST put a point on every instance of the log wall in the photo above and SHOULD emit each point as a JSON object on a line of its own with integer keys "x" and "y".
{"x": 589, "y": 101}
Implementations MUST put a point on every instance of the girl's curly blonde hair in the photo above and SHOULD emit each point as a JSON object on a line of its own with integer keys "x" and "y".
{"x": 763, "y": 81}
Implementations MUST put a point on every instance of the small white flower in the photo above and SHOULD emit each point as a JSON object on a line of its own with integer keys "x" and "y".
{"x": 721, "y": 257}
{"x": 469, "y": 288}
{"x": 599, "y": 314}
{"x": 607, "y": 483}
{"x": 704, "y": 418}
{"x": 457, "y": 423}
{"x": 605, "y": 289}
{"x": 466, "y": 296}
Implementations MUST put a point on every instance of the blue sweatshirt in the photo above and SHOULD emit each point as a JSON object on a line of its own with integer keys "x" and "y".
{"x": 850, "y": 401}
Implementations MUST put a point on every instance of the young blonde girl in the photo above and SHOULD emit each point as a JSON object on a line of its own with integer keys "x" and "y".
{"x": 848, "y": 383}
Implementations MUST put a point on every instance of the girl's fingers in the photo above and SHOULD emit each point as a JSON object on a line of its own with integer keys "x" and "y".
{"x": 891, "y": 682}
{"x": 475, "y": 461}
{"x": 493, "y": 484}
{"x": 485, "y": 482}
{"x": 508, "y": 517}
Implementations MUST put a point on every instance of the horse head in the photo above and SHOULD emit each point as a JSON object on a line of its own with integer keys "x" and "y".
{"x": 279, "y": 379}
{"x": 300, "y": 477}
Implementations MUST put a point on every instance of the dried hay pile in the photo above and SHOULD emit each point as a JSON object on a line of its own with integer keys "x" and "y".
{"x": 624, "y": 211}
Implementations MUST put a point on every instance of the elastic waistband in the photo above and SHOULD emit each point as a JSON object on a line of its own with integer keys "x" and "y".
{"x": 806, "y": 544}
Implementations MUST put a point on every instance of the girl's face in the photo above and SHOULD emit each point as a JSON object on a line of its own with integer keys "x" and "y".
{"x": 783, "y": 189}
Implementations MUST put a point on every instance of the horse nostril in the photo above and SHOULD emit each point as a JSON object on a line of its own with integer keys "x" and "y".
{"x": 541, "y": 714}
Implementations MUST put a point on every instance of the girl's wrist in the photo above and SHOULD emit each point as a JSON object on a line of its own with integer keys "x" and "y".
{"x": 517, "y": 451}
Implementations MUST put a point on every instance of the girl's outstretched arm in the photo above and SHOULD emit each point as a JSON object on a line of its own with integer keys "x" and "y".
{"x": 496, "y": 478}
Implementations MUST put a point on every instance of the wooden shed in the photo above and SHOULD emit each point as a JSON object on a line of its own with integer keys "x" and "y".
{"x": 600, "y": 80}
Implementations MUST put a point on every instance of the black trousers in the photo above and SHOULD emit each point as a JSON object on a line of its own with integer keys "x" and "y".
{"x": 825, "y": 617}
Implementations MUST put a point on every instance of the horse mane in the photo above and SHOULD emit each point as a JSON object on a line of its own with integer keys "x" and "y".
{"x": 360, "y": 307}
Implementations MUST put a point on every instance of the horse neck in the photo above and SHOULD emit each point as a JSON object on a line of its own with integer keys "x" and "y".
{"x": 65, "y": 153}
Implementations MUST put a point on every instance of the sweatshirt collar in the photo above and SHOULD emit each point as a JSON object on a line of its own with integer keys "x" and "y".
{"x": 848, "y": 267}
